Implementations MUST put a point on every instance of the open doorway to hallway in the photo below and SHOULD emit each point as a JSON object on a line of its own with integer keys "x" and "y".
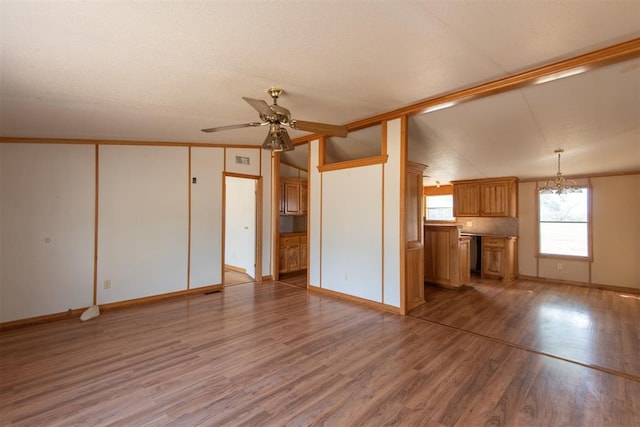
{"x": 240, "y": 230}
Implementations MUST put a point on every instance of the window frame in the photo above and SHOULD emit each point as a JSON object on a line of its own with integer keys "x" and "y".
{"x": 589, "y": 223}
{"x": 433, "y": 190}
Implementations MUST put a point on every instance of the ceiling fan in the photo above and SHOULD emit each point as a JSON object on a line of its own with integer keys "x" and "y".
{"x": 275, "y": 116}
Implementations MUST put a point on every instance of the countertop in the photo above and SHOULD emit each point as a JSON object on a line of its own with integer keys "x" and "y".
{"x": 487, "y": 235}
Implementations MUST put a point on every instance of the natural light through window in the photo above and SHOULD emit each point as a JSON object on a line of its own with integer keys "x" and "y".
{"x": 564, "y": 224}
{"x": 440, "y": 208}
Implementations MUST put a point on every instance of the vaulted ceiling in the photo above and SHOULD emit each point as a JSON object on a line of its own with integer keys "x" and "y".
{"x": 161, "y": 71}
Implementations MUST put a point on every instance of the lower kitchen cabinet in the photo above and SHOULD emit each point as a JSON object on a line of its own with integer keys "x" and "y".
{"x": 292, "y": 253}
{"x": 500, "y": 258}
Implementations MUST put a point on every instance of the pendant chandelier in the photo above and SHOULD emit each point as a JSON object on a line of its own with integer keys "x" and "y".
{"x": 559, "y": 185}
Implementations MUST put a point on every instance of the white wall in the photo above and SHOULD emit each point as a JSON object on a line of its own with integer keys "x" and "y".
{"x": 207, "y": 165}
{"x": 354, "y": 226}
{"x": 48, "y": 222}
{"x": 392, "y": 242}
{"x": 314, "y": 232}
{"x": 47, "y": 228}
{"x": 143, "y": 221}
{"x": 616, "y": 236}
{"x": 352, "y": 232}
{"x": 240, "y": 223}
{"x": 268, "y": 230}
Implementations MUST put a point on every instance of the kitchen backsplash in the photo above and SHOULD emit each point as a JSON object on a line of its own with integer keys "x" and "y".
{"x": 484, "y": 225}
{"x": 293, "y": 223}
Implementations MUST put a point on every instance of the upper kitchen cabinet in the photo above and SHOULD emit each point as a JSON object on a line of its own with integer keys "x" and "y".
{"x": 293, "y": 196}
{"x": 493, "y": 197}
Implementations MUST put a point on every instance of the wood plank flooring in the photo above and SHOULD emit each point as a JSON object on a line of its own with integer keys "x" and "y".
{"x": 274, "y": 354}
{"x": 590, "y": 326}
{"x": 296, "y": 278}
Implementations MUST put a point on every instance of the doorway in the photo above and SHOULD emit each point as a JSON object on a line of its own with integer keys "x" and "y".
{"x": 241, "y": 223}
{"x": 292, "y": 185}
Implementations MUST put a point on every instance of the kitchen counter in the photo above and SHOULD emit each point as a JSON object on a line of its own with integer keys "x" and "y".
{"x": 462, "y": 233}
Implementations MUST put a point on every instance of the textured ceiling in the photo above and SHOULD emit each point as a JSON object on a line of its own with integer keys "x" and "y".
{"x": 163, "y": 70}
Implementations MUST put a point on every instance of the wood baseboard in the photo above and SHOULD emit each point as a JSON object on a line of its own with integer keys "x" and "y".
{"x": 234, "y": 268}
{"x": 76, "y": 312}
{"x": 362, "y": 301}
{"x": 622, "y": 289}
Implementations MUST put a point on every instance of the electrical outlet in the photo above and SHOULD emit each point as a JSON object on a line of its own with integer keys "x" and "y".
{"x": 107, "y": 284}
{"x": 469, "y": 223}
{"x": 559, "y": 266}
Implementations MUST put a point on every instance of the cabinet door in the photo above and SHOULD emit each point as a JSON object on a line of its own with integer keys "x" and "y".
{"x": 303, "y": 256}
{"x": 466, "y": 200}
{"x": 494, "y": 199}
{"x": 303, "y": 199}
{"x": 303, "y": 252}
{"x": 292, "y": 199}
{"x": 293, "y": 257}
{"x": 493, "y": 262}
{"x": 465, "y": 265}
{"x": 282, "y": 259}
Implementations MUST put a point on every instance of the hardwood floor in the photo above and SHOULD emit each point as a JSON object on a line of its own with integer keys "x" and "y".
{"x": 232, "y": 278}
{"x": 597, "y": 328}
{"x": 297, "y": 278}
{"x": 274, "y": 354}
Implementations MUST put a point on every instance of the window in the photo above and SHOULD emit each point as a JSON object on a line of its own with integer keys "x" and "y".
{"x": 439, "y": 208}
{"x": 564, "y": 224}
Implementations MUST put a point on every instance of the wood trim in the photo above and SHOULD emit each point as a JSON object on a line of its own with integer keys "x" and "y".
{"x": 443, "y": 190}
{"x": 622, "y": 289}
{"x": 486, "y": 180}
{"x": 382, "y": 195}
{"x": 585, "y": 62}
{"x": 275, "y": 214}
{"x": 104, "y": 307}
{"x": 190, "y": 184}
{"x": 351, "y": 298}
{"x": 368, "y": 161}
{"x": 96, "y": 223}
{"x": 403, "y": 225}
{"x": 241, "y": 175}
{"x": 26, "y": 140}
{"x": 237, "y": 269}
{"x": 257, "y": 271}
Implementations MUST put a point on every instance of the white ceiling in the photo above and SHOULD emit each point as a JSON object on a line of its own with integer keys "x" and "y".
{"x": 163, "y": 70}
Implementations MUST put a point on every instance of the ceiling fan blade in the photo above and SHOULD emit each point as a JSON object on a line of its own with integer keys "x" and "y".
{"x": 322, "y": 128}
{"x": 243, "y": 125}
{"x": 260, "y": 106}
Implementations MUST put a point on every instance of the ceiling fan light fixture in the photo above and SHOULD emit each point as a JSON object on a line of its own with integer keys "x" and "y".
{"x": 277, "y": 139}
{"x": 559, "y": 185}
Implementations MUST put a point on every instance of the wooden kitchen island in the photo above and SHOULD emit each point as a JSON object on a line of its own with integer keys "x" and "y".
{"x": 446, "y": 255}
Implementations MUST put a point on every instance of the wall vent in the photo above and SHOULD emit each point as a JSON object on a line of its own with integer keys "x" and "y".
{"x": 242, "y": 160}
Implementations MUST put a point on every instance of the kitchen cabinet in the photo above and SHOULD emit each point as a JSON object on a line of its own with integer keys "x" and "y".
{"x": 466, "y": 200}
{"x": 292, "y": 251}
{"x": 499, "y": 258}
{"x": 446, "y": 256}
{"x": 293, "y": 196}
{"x": 495, "y": 197}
